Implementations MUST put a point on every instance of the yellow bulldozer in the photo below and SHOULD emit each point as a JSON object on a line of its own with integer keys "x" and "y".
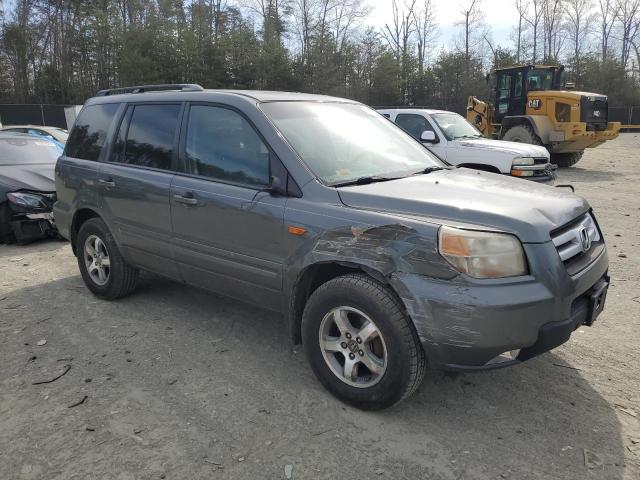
{"x": 534, "y": 104}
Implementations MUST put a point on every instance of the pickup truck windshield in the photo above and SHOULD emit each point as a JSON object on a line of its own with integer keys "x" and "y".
{"x": 454, "y": 126}
{"x": 342, "y": 143}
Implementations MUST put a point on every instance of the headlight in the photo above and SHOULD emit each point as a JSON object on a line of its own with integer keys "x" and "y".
{"x": 27, "y": 200}
{"x": 523, "y": 161}
{"x": 482, "y": 254}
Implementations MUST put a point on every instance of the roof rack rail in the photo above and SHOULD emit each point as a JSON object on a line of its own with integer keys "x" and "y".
{"x": 183, "y": 87}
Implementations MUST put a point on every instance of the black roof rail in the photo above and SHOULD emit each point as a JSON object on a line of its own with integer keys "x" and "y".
{"x": 183, "y": 87}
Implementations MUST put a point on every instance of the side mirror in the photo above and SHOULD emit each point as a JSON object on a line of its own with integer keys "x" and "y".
{"x": 428, "y": 137}
{"x": 278, "y": 186}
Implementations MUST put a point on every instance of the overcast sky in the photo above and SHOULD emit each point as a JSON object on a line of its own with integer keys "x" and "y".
{"x": 500, "y": 15}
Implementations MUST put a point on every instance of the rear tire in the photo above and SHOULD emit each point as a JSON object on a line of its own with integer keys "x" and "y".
{"x": 378, "y": 334}
{"x": 102, "y": 267}
{"x": 566, "y": 160}
{"x": 522, "y": 134}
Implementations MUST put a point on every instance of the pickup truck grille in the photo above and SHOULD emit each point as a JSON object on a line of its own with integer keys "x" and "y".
{"x": 540, "y": 160}
{"x": 578, "y": 243}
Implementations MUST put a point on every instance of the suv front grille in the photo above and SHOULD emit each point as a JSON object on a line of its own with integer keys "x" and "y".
{"x": 578, "y": 243}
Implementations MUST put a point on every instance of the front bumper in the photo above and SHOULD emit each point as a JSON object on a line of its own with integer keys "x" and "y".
{"x": 28, "y": 225}
{"x": 575, "y": 137}
{"x": 465, "y": 324}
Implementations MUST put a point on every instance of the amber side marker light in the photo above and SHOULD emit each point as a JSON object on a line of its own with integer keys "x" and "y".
{"x": 297, "y": 230}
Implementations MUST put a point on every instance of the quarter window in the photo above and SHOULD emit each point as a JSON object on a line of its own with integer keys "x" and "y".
{"x": 222, "y": 145}
{"x": 413, "y": 124}
{"x": 90, "y": 131}
{"x": 147, "y": 139}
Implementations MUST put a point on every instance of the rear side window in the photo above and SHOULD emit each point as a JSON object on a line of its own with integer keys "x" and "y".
{"x": 413, "y": 124}
{"x": 222, "y": 145}
{"x": 147, "y": 135}
{"x": 90, "y": 131}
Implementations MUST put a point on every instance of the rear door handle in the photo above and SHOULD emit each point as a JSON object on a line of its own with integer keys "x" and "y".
{"x": 107, "y": 182}
{"x": 186, "y": 198}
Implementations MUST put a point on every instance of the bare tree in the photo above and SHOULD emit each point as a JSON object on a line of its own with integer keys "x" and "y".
{"x": 521, "y": 7}
{"x": 579, "y": 20}
{"x": 346, "y": 15}
{"x": 552, "y": 13}
{"x": 398, "y": 36}
{"x": 629, "y": 18}
{"x": 533, "y": 18}
{"x": 608, "y": 14}
{"x": 426, "y": 30}
{"x": 472, "y": 20}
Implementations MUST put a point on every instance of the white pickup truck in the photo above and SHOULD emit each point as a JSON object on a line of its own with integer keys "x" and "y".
{"x": 456, "y": 141}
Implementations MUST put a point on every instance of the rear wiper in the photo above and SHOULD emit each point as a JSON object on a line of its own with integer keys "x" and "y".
{"x": 365, "y": 181}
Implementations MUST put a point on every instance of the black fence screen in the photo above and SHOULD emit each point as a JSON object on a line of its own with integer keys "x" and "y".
{"x": 33, "y": 114}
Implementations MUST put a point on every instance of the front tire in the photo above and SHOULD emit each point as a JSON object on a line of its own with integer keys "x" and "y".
{"x": 566, "y": 160}
{"x": 361, "y": 344}
{"x": 102, "y": 267}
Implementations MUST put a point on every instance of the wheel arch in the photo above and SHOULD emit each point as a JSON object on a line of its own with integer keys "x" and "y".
{"x": 313, "y": 276}
{"x": 481, "y": 166}
{"x": 80, "y": 217}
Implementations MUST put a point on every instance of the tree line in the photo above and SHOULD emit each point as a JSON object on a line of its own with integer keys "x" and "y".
{"x": 63, "y": 51}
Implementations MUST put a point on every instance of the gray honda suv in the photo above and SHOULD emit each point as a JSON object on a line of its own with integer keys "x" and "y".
{"x": 382, "y": 259}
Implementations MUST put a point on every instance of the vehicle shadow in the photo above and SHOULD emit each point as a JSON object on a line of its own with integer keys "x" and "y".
{"x": 586, "y": 175}
{"x": 229, "y": 366}
{"x": 44, "y": 245}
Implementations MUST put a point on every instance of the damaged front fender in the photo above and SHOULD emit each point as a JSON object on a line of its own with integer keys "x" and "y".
{"x": 383, "y": 250}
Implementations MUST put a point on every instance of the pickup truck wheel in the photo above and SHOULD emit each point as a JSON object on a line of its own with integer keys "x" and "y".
{"x": 522, "y": 134}
{"x": 566, "y": 160}
{"x": 361, "y": 344}
{"x": 103, "y": 269}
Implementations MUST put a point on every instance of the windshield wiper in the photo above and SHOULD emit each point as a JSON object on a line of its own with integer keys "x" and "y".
{"x": 365, "y": 181}
{"x": 429, "y": 170}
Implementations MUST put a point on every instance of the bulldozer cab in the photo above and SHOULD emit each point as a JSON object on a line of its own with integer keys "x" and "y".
{"x": 514, "y": 84}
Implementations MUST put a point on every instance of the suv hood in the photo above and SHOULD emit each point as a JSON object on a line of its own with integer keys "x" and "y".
{"x": 515, "y": 148}
{"x": 32, "y": 176}
{"x": 482, "y": 199}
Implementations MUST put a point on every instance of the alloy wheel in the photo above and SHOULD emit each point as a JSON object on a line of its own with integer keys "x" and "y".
{"x": 353, "y": 347}
{"x": 96, "y": 259}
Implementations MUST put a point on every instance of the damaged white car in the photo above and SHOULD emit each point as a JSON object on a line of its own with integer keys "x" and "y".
{"x": 27, "y": 189}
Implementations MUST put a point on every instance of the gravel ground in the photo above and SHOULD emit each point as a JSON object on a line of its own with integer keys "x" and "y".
{"x": 182, "y": 384}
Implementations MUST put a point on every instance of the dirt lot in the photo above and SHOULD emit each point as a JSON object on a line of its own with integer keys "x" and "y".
{"x": 182, "y": 384}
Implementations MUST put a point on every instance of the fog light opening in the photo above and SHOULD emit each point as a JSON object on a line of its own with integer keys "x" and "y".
{"x": 508, "y": 356}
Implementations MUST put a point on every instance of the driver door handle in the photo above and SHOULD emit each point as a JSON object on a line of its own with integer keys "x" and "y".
{"x": 186, "y": 198}
{"x": 108, "y": 182}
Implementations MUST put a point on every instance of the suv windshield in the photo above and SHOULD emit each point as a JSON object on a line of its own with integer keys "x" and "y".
{"x": 453, "y": 126}
{"x": 342, "y": 143}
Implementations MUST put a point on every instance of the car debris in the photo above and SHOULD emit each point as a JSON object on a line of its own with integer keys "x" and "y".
{"x": 79, "y": 402}
{"x": 64, "y": 372}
